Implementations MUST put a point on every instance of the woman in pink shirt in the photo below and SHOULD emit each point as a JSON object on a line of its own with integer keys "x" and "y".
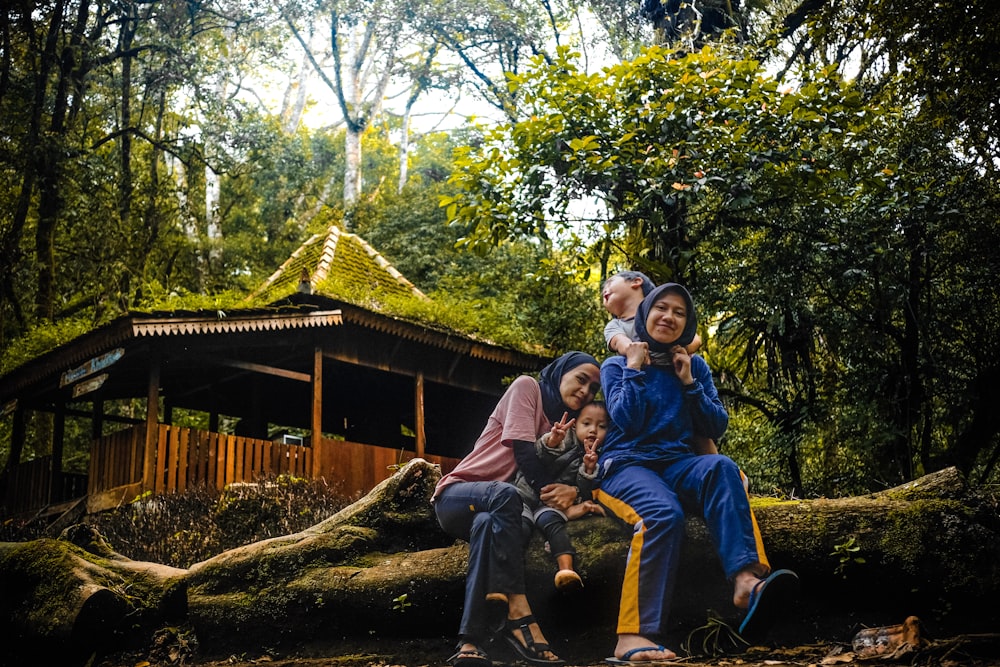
{"x": 476, "y": 502}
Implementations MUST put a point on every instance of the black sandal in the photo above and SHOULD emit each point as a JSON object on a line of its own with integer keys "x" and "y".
{"x": 470, "y": 657}
{"x": 530, "y": 651}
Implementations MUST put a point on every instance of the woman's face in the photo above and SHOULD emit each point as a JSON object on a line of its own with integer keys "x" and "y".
{"x": 578, "y": 385}
{"x": 667, "y": 318}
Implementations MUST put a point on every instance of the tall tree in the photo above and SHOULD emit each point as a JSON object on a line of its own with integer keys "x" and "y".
{"x": 365, "y": 42}
{"x": 93, "y": 98}
{"x": 939, "y": 54}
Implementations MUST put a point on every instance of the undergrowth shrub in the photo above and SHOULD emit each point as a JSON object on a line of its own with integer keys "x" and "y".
{"x": 181, "y": 529}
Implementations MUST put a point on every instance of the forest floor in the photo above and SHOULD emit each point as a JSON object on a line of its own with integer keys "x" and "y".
{"x": 974, "y": 650}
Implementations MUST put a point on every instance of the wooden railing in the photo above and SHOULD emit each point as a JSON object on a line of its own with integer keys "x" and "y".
{"x": 185, "y": 457}
{"x": 29, "y": 487}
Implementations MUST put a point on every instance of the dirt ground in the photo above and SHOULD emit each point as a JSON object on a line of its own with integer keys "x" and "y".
{"x": 978, "y": 650}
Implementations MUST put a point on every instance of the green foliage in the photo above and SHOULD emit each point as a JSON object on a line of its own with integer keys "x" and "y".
{"x": 522, "y": 294}
{"x": 400, "y": 603}
{"x": 932, "y": 51}
{"x": 846, "y": 553}
{"x": 819, "y": 231}
{"x": 265, "y": 198}
{"x": 715, "y": 638}
{"x": 839, "y": 237}
{"x": 49, "y": 335}
{"x": 711, "y": 131}
{"x": 42, "y": 339}
{"x": 106, "y": 169}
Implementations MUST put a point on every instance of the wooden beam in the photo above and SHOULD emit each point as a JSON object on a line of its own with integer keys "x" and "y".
{"x": 242, "y": 365}
{"x": 58, "y": 439}
{"x": 261, "y": 368}
{"x": 469, "y": 383}
{"x": 419, "y": 415}
{"x": 16, "y": 438}
{"x": 97, "y": 417}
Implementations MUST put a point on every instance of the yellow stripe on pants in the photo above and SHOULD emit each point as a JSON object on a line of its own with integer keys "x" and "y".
{"x": 628, "y": 610}
{"x": 758, "y": 540}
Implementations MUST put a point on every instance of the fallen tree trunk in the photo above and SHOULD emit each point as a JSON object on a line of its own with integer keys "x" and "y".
{"x": 383, "y": 567}
{"x": 67, "y": 599}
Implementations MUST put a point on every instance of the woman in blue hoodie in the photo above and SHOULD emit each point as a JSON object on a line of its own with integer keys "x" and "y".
{"x": 653, "y": 468}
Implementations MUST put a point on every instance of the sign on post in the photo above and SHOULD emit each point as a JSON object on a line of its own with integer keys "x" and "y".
{"x": 90, "y": 385}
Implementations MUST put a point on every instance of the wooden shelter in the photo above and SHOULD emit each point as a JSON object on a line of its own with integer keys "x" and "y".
{"x": 310, "y": 385}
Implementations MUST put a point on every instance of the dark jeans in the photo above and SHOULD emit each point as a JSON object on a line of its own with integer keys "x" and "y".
{"x": 488, "y": 516}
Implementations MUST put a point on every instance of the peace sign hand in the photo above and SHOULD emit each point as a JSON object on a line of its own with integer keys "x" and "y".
{"x": 559, "y": 430}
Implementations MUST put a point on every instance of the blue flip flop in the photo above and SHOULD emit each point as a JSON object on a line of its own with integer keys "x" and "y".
{"x": 626, "y": 657}
{"x": 769, "y": 600}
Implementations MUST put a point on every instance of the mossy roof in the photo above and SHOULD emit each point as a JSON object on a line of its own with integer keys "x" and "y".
{"x": 337, "y": 264}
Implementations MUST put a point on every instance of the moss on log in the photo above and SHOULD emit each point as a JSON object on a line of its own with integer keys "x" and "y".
{"x": 383, "y": 567}
{"x": 68, "y": 598}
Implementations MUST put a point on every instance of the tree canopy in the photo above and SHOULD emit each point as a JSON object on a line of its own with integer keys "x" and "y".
{"x": 819, "y": 228}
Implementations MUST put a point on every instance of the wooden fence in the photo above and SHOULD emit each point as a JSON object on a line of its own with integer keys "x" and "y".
{"x": 183, "y": 458}
{"x": 30, "y": 486}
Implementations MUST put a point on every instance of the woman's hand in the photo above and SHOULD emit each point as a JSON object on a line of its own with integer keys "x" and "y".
{"x": 682, "y": 364}
{"x": 558, "y": 496}
{"x": 559, "y": 430}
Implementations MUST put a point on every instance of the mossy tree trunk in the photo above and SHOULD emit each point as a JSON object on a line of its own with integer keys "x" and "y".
{"x": 383, "y": 567}
{"x": 63, "y": 600}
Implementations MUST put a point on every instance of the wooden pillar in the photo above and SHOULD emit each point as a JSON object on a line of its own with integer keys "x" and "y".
{"x": 252, "y": 423}
{"x": 316, "y": 423}
{"x": 418, "y": 411}
{"x": 152, "y": 421}
{"x": 97, "y": 418}
{"x": 58, "y": 438}
{"x": 16, "y": 438}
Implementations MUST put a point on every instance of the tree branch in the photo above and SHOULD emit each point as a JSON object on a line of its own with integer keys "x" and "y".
{"x": 336, "y": 88}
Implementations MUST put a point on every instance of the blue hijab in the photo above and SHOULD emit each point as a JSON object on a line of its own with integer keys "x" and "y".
{"x": 642, "y": 312}
{"x": 550, "y": 378}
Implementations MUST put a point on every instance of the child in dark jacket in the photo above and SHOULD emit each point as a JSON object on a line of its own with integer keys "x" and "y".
{"x": 569, "y": 452}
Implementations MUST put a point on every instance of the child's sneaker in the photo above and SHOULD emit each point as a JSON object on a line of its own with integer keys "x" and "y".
{"x": 568, "y": 580}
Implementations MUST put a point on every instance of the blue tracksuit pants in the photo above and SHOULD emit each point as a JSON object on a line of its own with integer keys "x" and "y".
{"x": 653, "y": 501}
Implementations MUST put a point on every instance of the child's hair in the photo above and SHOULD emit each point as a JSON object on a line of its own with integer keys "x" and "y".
{"x": 629, "y": 276}
{"x": 598, "y": 404}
